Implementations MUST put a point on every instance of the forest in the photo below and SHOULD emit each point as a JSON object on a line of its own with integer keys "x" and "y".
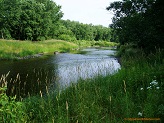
{"x": 135, "y": 22}
{"x": 37, "y": 20}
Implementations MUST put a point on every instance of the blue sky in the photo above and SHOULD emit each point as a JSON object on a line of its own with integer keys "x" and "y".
{"x": 87, "y": 11}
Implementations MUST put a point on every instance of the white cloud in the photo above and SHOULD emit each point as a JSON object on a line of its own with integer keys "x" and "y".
{"x": 87, "y": 11}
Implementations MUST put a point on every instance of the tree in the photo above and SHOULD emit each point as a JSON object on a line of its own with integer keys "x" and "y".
{"x": 136, "y": 21}
{"x": 10, "y": 12}
{"x": 87, "y": 31}
{"x": 29, "y": 19}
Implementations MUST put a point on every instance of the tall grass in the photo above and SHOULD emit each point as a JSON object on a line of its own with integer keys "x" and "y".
{"x": 10, "y": 110}
{"x": 83, "y": 43}
{"x": 135, "y": 91}
{"x": 10, "y": 49}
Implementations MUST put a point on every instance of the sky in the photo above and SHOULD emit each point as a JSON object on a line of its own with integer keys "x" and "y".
{"x": 87, "y": 11}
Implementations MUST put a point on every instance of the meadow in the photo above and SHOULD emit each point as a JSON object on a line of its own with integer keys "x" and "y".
{"x": 11, "y": 49}
{"x": 135, "y": 91}
{"x": 14, "y": 49}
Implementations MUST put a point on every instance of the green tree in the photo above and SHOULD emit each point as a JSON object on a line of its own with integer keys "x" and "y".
{"x": 137, "y": 22}
{"x": 10, "y": 12}
{"x": 87, "y": 31}
{"x": 29, "y": 19}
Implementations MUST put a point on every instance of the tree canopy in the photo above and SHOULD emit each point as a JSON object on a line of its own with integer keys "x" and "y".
{"x": 139, "y": 22}
{"x": 29, "y": 19}
{"x": 88, "y": 32}
{"x": 41, "y": 19}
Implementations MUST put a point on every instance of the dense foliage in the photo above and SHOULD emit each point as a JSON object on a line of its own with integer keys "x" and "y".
{"x": 139, "y": 22}
{"x": 28, "y": 19}
{"x": 41, "y": 19}
{"x": 82, "y": 31}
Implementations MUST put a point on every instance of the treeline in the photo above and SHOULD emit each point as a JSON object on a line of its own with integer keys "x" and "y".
{"x": 138, "y": 22}
{"x": 72, "y": 30}
{"x": 40, "y": 20}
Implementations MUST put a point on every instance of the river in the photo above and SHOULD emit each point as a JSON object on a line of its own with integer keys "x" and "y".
{"x": 49, "y": 72}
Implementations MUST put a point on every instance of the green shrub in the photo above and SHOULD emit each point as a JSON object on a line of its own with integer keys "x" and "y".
{"x": 11, "y": 111}
{"x": 66, "y": 37}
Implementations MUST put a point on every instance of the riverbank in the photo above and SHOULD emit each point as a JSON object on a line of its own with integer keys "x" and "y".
{"x": 13, "y": 49}
{"x": 135, "y": 91}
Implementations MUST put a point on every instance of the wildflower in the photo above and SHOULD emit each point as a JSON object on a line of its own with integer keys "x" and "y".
{"x": 157, "y": 87}
{"x": 154, "y": 82}
{"x": 139, "y": 114}
{"x": 149, "y": 87}
{"x": 141, "y": 89}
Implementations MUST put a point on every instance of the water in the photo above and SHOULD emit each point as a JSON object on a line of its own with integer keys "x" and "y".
{"x": 49, "y": 72}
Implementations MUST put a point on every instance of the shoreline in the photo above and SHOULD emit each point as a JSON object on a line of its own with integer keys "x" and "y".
{"x": 18, "y": 50}
{"x": 15, "y": 50}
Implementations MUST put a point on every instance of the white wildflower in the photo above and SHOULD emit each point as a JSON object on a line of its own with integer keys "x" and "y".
{"x": 139, "y": 114}
{"x": 157, "y": 87}
{"x": 141, "y": 89}
{"x": 154, "y": 82}
{"x": 149, "y": 87}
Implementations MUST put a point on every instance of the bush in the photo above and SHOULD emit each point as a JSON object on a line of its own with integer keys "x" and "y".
{"x": 66, "y": 37}
{"x": 11, "y": 111}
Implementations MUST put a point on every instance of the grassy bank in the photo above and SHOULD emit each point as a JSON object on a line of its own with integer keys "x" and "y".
{"x": 12, "y": 49}
{"x": 136, "y": 91}
{"x": 83, "y": 43}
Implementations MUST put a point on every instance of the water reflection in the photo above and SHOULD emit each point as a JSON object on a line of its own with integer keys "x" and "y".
{"x": 85, "y": 69}
{"x": 41, "y": 74}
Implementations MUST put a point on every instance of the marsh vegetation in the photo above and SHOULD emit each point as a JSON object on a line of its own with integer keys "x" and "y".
{"x": 135, "y": 91}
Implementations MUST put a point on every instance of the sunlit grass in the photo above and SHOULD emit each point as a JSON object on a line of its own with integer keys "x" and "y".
{"x": 10, "y": 49}
{"x": 83, "y": 43}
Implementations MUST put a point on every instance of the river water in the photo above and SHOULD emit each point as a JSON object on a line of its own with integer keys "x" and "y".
{"x": 49, "y": 72}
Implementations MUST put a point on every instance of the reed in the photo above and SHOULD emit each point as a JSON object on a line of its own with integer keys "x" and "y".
{"x": 135, "y": 91}
{"x": 10, "y": 109}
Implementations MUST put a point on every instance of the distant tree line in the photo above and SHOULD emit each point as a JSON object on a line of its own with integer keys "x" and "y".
{"x": 80, "y": 31}
{"x": 139, "y": 22}
{"x": 40, "y": 20}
